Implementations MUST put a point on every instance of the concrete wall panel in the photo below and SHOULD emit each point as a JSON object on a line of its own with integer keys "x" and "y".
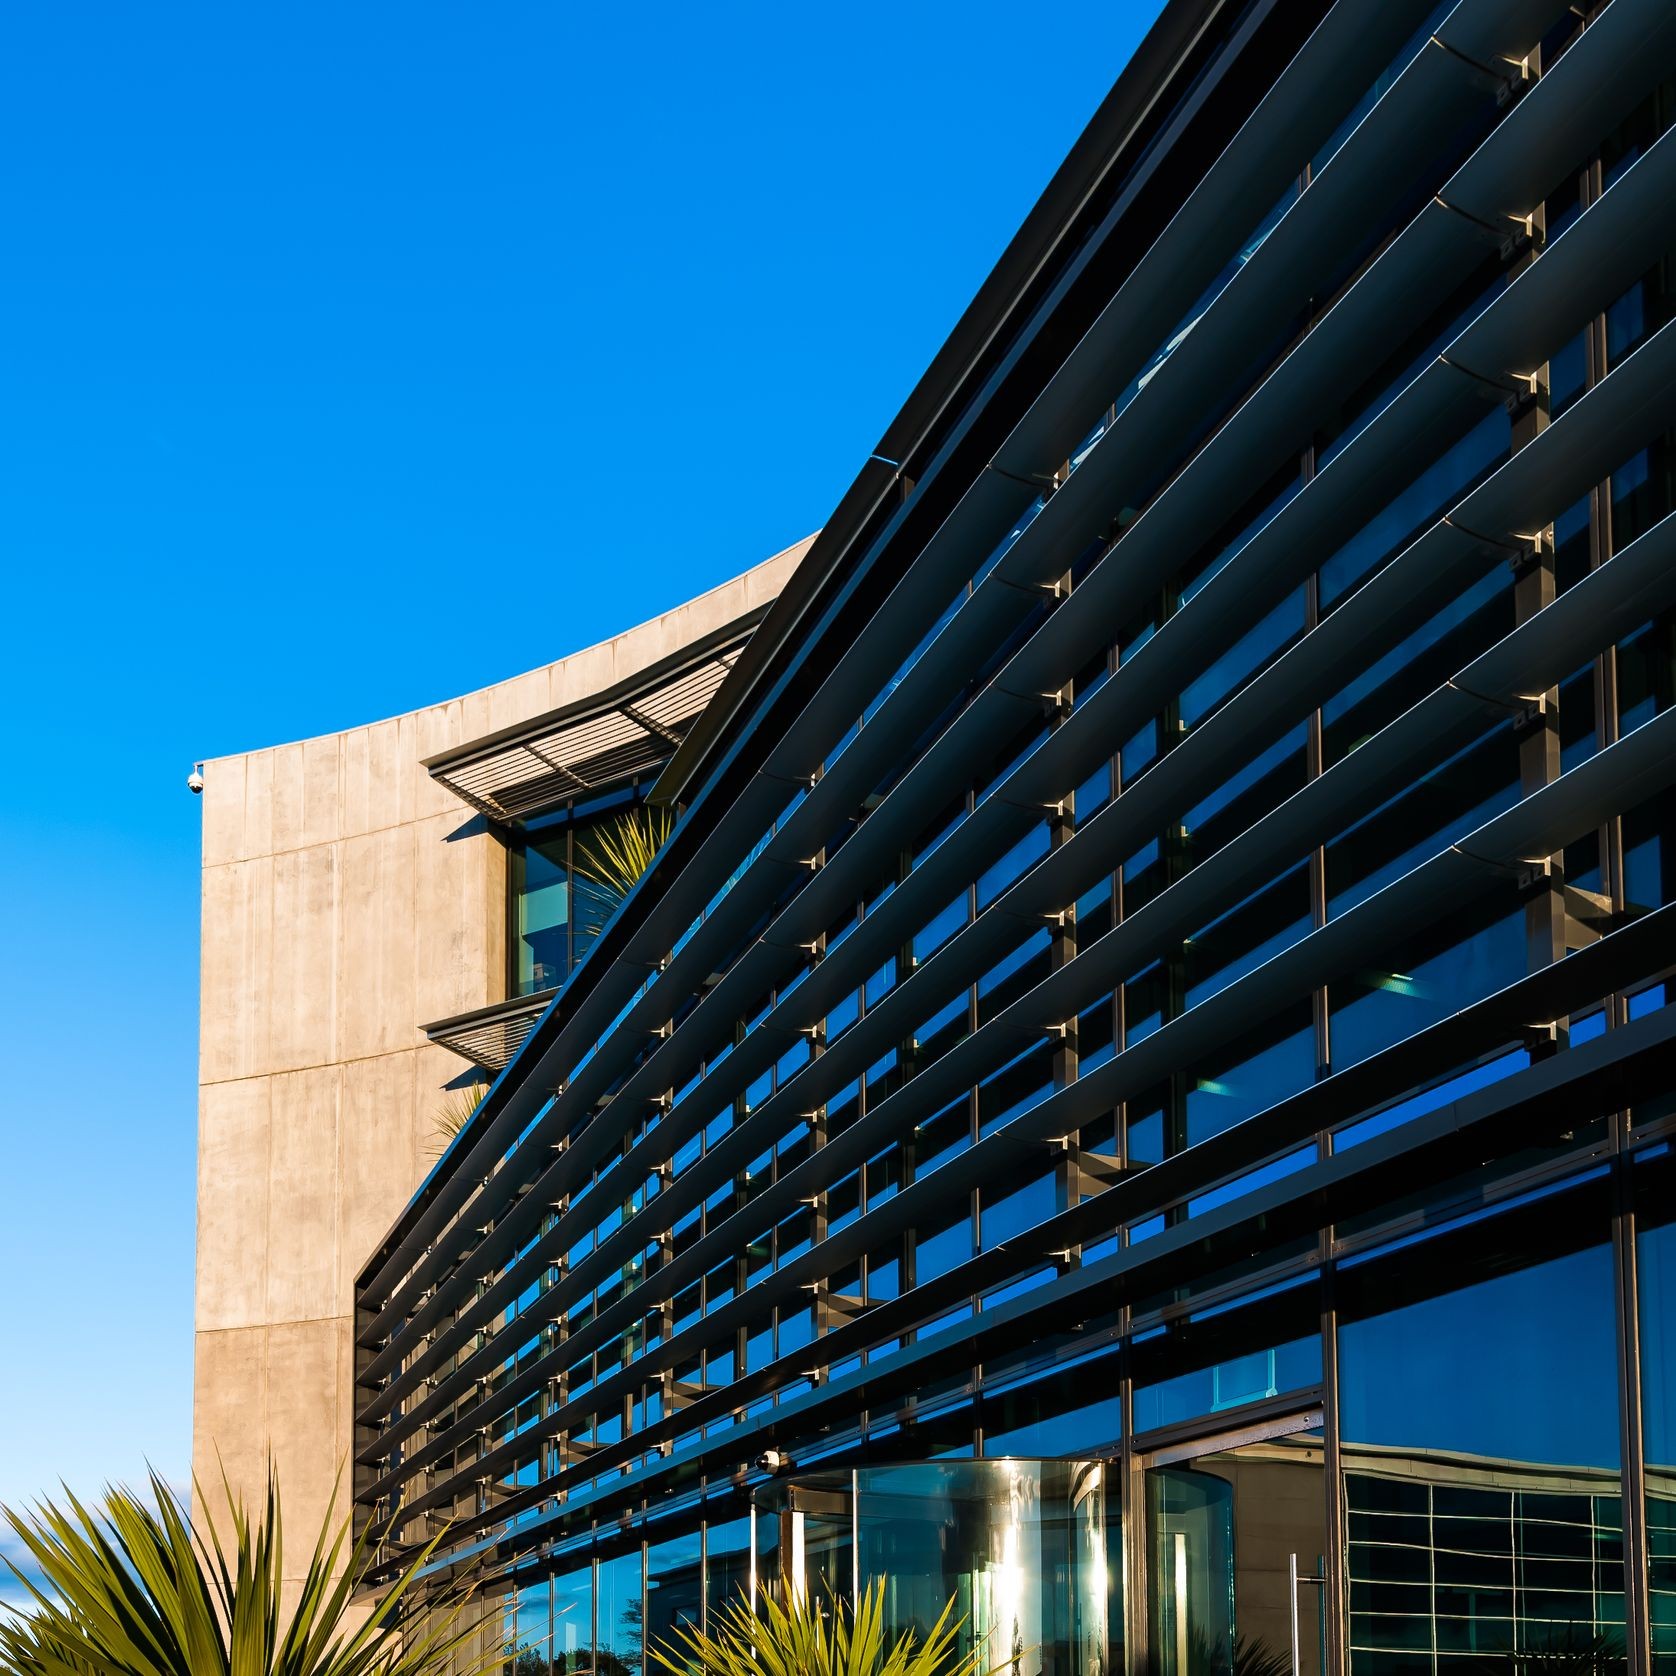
{"x": 378, "y": 1115}
{"x": 301, "y": 974}
{"x": 303, "y": 1405}
{"x": 234, "y": 1172}
{"x": 377, "y": 930}
{"x": 258, "y": 806}
{"x": 235, "y": 970}
{"x": 229, "y": 1413}
{"x": 222, "y": 812}
{"x": 458, "y": 955}
{"x": 303, "y": 1202}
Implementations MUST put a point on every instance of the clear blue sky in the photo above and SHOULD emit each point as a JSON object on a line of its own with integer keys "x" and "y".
{"x": 498, "y": 326}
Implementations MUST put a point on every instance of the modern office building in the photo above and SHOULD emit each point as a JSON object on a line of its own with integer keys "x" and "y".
{"x": 1138, "y": 1090}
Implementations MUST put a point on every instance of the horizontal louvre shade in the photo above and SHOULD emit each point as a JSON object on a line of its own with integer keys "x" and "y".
{"x": 947, "y": 930}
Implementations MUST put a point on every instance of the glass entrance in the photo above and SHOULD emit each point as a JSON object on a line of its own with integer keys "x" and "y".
{"x": 1234, "y": 1554}
{"x": 1018, "y": 1546}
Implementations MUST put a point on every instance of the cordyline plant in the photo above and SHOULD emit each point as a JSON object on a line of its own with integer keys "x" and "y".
{"x": 616, "y": 853}
{"x": 455, "y": 1112}
{"x": 132, "y": 1589}
{"x": 796, "y": 1638}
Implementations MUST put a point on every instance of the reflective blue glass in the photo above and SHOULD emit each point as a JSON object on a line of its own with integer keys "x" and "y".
{"x": 674, "y": 1586}
{"x": 620, "y": 1643}
{"x": 1655, "y": 1199}
{"x": 573, "y": 1621}
{"x": 1251, "y": 1376}
{"x": 1443, "y": 482}
{"x": 1480, "y": 1442}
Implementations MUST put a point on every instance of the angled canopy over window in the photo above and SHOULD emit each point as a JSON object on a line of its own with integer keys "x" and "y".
{"x": 630, "y": 729}
{"x": 489, "y": 1036}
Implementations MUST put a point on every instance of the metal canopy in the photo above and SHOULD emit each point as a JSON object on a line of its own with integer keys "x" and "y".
{"x": 489, "y": 1036}
{"x": 602, "y": 741}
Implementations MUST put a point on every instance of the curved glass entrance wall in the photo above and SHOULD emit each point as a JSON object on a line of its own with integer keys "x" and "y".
{"x": 1019, "y": 1546}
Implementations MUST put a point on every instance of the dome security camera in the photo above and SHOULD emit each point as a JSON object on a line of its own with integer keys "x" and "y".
{"x": 195, "y": 783}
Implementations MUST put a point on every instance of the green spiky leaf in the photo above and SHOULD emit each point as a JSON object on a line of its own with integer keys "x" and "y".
{"x": 134, "y": 1587}
{"x": 798, "y": 1637}
{"x": 615, "y": 854}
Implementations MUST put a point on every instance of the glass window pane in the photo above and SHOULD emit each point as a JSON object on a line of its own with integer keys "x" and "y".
{"x": 1655, "y": 1193}
{"x": 727, "y": 1567}
{"x": 529, "y": 1649}
{"x": 1222, "y": 1532}
{"x": 1216, "y": 1362}
{"x": 674, "y": 1589}
{"x": 541, "y": 912}
{"x": 573, "y": 1621}
{"x": 1065, "y": 1411}
{"x": 621, "y": 1628}
{"x": 1470, "y": 1475}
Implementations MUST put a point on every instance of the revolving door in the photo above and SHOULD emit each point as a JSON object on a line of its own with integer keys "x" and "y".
{"x": 1019, "y": 1546}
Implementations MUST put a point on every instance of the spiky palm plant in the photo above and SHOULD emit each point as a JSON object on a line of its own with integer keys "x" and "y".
{"x": 796, "y": 1637}
{"x": 455, "y": 1113}
{"x": 131, "y": 1589}
{"x": 28, "y": 1648}
{"x": 615, "y": 854}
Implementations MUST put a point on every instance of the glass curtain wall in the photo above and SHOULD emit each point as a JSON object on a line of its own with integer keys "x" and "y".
{"x": 1461, "y": 1506}
{"x": 573, "y": 1620}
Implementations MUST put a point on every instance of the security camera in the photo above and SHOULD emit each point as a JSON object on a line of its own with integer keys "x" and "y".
{"x": 195, "y": 783}
{"x": 772, "y": 1460}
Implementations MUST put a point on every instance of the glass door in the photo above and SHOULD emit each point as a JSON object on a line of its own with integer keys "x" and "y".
{"x": 817, "y": 1533}
{"x": 1235, "y": 1544}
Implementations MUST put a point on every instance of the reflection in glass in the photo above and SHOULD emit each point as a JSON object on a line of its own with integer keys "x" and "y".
{"x": 674, "y": 1587}
{"x": 1481, "y": 1489}
{"x": 541, "y": 910}
{"x": 1252, "y": 1376}
{"x": 526, "y": 1653}
{"x": 1065, "y": 1412}
{"x": 727, "y": 1566}
{"x": 1655, "y": 1197}
{"x": 1219, "y": 1359}
{"x": 573, "y": 1621}
{"x": 620, "y": 1635}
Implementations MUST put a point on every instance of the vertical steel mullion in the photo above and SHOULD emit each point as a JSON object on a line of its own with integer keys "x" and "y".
{"x": 1332, "y": 1602}
{"x": 855, "y": 1540}
{"x": 1334, "y": 1597}
{"x": 1062, "y": 949}
{"x": 551, "y": 1648}
{"x": 1533, "y": 590}
{"x": 1137, "y": 1656}
{"x": 569, "y": 895}
{"x": 1637, "y": 1607}
{"x": 704, "y": 1570}
{"x": 593, "y": 1604}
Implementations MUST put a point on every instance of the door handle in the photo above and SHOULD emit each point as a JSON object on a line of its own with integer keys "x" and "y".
{"x": 1294, "y": 1578}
